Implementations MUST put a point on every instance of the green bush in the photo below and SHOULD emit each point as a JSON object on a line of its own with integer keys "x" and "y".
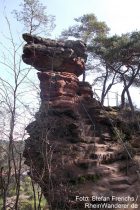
{"x": 27, "y": 205}
{"x": 1, "y": 203}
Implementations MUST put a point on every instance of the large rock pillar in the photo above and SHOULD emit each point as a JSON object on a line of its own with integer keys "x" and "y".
{"x": 58, "y": 89}
{"x": 72, "y": 149}
{"x": 50, "y": 150}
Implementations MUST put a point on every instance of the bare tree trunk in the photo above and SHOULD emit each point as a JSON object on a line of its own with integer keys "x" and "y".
{"x": 34, "y": 194}
{"x": 126, "y": 90}
{"x": 18, "y": 183}
{"x": 10, "y": 96}
{"x": 3, "y": 189}
{"x": 130, "y": 102}
{"x": 105, "y": 89}
{"x": 123, "y": 99}
{"x": 39, "y": 199}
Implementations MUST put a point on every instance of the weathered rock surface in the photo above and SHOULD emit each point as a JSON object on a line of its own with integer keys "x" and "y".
{"x": 75, "y": 146}
{"x": 58, "y": 89}
{"x": 85, "y": 90}
{"x": 47, "y": 54}
{"x": 71, "y": 158}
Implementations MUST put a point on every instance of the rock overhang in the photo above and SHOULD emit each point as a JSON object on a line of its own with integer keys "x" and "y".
{"x": 47, "y": 54}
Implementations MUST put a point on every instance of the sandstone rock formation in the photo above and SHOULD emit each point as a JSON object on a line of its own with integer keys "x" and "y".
{"x": 74, "y": 146}
{"x": 46, "y": 55}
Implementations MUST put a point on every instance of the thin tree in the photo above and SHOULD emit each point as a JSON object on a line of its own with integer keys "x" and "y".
{"x": 12, "y": 79}
{"x": 121, "y": 54}
{"x": 87, "y": 28}
{"x": 34, "y": 17}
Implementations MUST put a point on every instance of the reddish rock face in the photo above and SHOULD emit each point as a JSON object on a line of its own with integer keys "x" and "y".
{"x": 58, "y": 88}
{"x": 75, "y": 66}
{"x": 72, "y": 149}
{"x": 47, "y": 54}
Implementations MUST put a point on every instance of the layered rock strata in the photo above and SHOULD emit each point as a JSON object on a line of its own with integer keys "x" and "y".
{"x": 50, "y": 55}
{"x": 74, "y": 150}
{"x": 58, "y": 89}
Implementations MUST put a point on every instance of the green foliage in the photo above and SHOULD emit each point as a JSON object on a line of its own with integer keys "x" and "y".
{"x": 26, "y": 199}
{"x": 29, "y": 204}
{"x": 120, "y": 55}
{"x": 3, "y": 152}
{"x": 118, "y": 50}
{"x": 4, "y": 146}
{"x": 27, "y": 190}
{"x": 83, "y": 179}
{"x": 12, "y": 191}
{"x": 26, "y": 186}
{"x": 118, "y": 134}
{"x": 34, "y": 17}
{"x": 94, "y": 177}
{"x": 1, "y": 202}
{"x": 87, "y": 28}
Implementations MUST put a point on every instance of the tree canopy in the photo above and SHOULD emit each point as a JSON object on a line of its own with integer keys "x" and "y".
{"x": 118, "y": 56}
{"x": 121, "y": 54}
{"x": 87, "y": 28}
